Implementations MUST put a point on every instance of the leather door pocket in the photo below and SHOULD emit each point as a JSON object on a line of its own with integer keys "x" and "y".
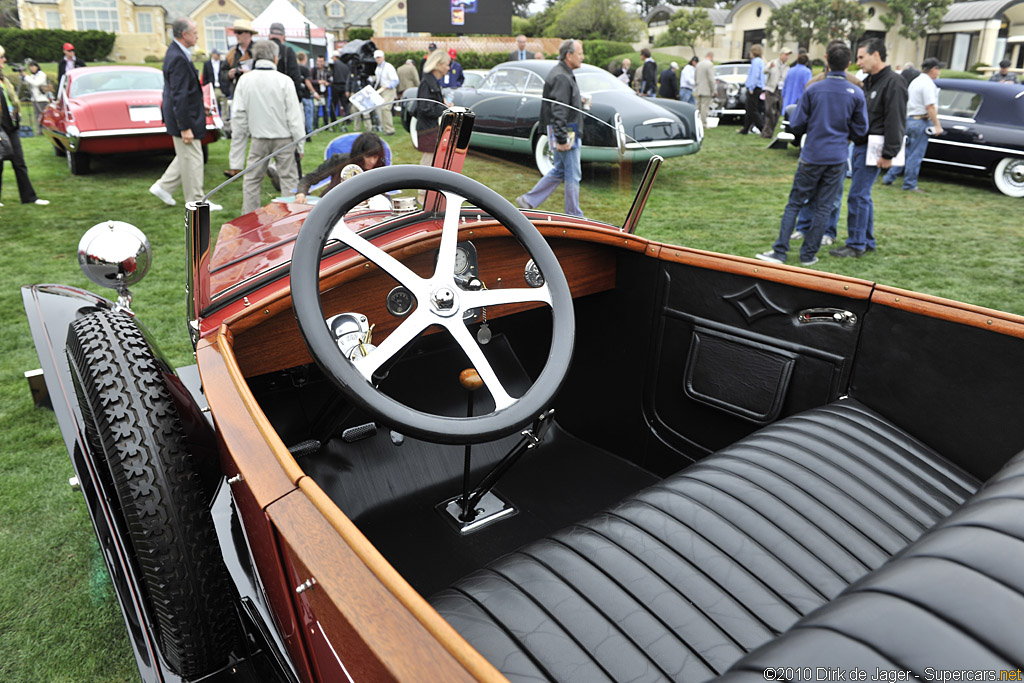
{"x": 739, "y": 376}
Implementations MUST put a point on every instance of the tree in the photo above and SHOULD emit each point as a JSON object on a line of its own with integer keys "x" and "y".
{"x": 815, "y": 21}
{"x": 918, "y": 17}
{"x": 688, "y": 27}
{"x": 521, "y": 8}
{"x": 594, "y": 19}
{"x": 9, "y": 14}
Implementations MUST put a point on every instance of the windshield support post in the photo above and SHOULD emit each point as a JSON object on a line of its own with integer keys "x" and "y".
{"x": 197, "y": 246}
{"x": 642, "y": 194}
{"x": 454, "y": 132}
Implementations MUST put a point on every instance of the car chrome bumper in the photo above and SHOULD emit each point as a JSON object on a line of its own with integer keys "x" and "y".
{"x": 640, "y": 152}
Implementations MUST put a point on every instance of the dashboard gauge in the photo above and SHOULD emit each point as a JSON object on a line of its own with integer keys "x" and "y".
{"x": 461, "y": 260}
{"x": 532, "y": 275}
{"x": 400, "y": 301}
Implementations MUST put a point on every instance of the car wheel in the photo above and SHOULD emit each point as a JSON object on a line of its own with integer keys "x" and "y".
{"x": 412, "y": 133}
{"x": 1009, "y": 176}
{"x": 78, "y": 163}
{"x": 132, "y": 423}
{"x": 542, "y": 155}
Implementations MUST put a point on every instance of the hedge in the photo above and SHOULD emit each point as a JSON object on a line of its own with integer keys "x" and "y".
{"x": 45, "y": 45}
{"x": 600, "y": 52}
{"x": 468, "y": 60}
{"x": 360, "y": 33}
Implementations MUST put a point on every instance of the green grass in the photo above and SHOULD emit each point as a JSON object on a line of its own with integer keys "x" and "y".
{"x": 58, "y": 620}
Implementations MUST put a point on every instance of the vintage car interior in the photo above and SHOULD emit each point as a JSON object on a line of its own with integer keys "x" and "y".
{"x": 484, "y": 443}
{"x": 738, "y": 457}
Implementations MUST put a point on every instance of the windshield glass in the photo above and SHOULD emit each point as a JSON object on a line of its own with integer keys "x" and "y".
{"x": 110, "y": 81}
{"x": 508, "y": 152}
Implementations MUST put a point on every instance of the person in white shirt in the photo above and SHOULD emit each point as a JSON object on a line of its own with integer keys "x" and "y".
{"x": 38, "y": 85}
{"x": 922, "y": 121}
{"x": 266, "y": 110}
{"x": 386, "y": 79}
{"x": 688, "y": 81}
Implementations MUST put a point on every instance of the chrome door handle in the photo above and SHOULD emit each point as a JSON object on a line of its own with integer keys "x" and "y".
{"x": 827, "y": 315}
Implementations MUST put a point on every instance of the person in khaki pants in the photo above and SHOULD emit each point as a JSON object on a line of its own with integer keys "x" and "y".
{"x": 705, "y": 87}
{"x": 387, "y": 84}
{"x": 266, "y": 109}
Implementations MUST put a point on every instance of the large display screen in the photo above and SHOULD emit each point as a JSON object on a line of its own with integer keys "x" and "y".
{"x": 459, "y": 16}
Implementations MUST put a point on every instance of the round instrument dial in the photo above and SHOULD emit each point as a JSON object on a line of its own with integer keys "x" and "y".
{"x": 400, "y": 301}
{"x": 532, "y": 275}
{"x": 461, "y": 260}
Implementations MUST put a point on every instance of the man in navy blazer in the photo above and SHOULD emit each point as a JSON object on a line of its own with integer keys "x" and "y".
{"x": 185, "y": 118}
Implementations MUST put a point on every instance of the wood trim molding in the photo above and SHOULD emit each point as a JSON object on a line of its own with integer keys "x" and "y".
{"x": 363, "y": 605}
{"x": 829, "y": 283}
{"x": 952, "y": 311}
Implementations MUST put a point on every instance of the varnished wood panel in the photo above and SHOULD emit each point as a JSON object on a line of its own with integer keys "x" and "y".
{"x": 268, "y": 339}
{"x": 371, "y": 630}
{"x": 953, "y": 311}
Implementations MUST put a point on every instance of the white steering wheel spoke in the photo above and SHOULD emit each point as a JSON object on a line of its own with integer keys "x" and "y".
{"x": 410, "y": 328}
{"x": 480, "y": 363}
{"x": 449, "y": 235}
{"x": 384, "y": 261}
{"x": 497, "y": 297}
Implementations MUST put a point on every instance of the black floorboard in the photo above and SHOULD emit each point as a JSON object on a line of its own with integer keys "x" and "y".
{"x": 563, "y": 481}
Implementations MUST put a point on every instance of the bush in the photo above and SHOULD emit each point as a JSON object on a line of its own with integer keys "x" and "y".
{"x": 44, "y": 45}
{"x": 468, "y": 60}
{"x": 152, "y": 59}
{"x": 978, "y": 66}
{"x": 600, "y": 51}
{"x": 360, "y": 33}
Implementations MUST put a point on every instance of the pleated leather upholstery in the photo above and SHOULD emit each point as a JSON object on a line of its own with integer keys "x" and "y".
{"x": 680, "y": 580}
{"x": 952, "y": 601}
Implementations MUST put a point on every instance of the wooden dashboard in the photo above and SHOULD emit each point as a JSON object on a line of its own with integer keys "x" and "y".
{"x": 267, "y": 338}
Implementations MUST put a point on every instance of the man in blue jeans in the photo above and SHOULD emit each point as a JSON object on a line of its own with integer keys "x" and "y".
{"x": 829, "y": 113}
{"x": 886, "y": 95}
{"x": 561, "y": 115}
{"x": 922, "y": 111}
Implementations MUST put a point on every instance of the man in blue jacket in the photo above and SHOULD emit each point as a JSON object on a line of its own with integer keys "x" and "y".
{"x": 829, "y": 113}
{"x": 185, "y": 118}
{"x": 561, "y": 115}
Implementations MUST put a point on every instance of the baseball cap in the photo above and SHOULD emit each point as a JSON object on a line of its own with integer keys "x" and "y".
{"x": 785, "y": 51}
{"x": 931, "y": 63}
{"x": 674, "y": 65}
{"x": 378, "y": 53}
{"x": 68, "y": 46}
{"x": 277, "y": 29}
{"x": 432, "y": 47}
{"x": 452, "y": 52}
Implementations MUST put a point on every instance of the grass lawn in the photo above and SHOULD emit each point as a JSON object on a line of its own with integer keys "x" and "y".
{"x": 58, "y": 619}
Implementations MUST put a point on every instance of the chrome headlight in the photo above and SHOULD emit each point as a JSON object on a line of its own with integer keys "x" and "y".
{"x": 115, "y": 254}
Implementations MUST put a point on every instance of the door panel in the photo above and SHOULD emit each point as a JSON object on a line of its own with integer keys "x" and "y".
{"x": 733, "y": 354}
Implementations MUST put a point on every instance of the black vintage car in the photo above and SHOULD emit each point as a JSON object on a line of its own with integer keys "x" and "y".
{"x": 621, "y": 126}
{"x": 982, "y": 132}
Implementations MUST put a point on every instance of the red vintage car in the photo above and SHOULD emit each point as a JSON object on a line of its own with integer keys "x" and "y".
{"x": 103, "y": 110}
{"x": 449, "y": 440}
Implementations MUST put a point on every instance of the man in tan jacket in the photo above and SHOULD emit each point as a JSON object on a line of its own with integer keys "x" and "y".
{"x": 705, "y": 85}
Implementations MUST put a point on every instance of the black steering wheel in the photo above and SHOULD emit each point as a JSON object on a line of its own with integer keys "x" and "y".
{"x": 439, "y": 301}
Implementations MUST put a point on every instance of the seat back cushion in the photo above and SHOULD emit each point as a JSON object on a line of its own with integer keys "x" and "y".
{"x": 952, "y": 601}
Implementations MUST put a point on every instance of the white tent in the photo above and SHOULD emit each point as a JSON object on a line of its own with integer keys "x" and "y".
{"x": 294, "y": 23}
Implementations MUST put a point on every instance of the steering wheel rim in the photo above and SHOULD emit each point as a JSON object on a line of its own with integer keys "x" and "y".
{"x": 353, "y": 377}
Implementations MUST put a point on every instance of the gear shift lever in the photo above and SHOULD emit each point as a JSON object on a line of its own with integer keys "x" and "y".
{"x": 471, "y": 381}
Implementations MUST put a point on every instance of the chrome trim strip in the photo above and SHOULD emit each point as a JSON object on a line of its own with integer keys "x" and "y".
{"x": 197, "y": 283}
{"x": 642, "y": 193}
{"x": 958, "y": 119}
{"x": 987, "y": 148}
{"x": 953, "y": 163}
{"x": 121, "y": 131}
{"x": 660, "y": 143}
{"x": 660, "y": 119}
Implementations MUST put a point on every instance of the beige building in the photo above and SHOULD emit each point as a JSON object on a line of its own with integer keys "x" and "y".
{"x": 976, "y": 32}
{"x": 144, "y": 29}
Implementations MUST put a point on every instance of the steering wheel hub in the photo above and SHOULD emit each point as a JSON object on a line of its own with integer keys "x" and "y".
{"x": 443, "y": 301}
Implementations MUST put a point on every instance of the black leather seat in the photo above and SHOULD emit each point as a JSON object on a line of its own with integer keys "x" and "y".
{"x": 681, "y": 580}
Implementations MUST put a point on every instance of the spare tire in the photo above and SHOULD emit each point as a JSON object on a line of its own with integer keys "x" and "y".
{"x": 131, "y": 420}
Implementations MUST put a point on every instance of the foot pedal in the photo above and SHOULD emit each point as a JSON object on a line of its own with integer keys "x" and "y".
{"x": 307, "y": 447}
{"x": 353, "y": 434}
